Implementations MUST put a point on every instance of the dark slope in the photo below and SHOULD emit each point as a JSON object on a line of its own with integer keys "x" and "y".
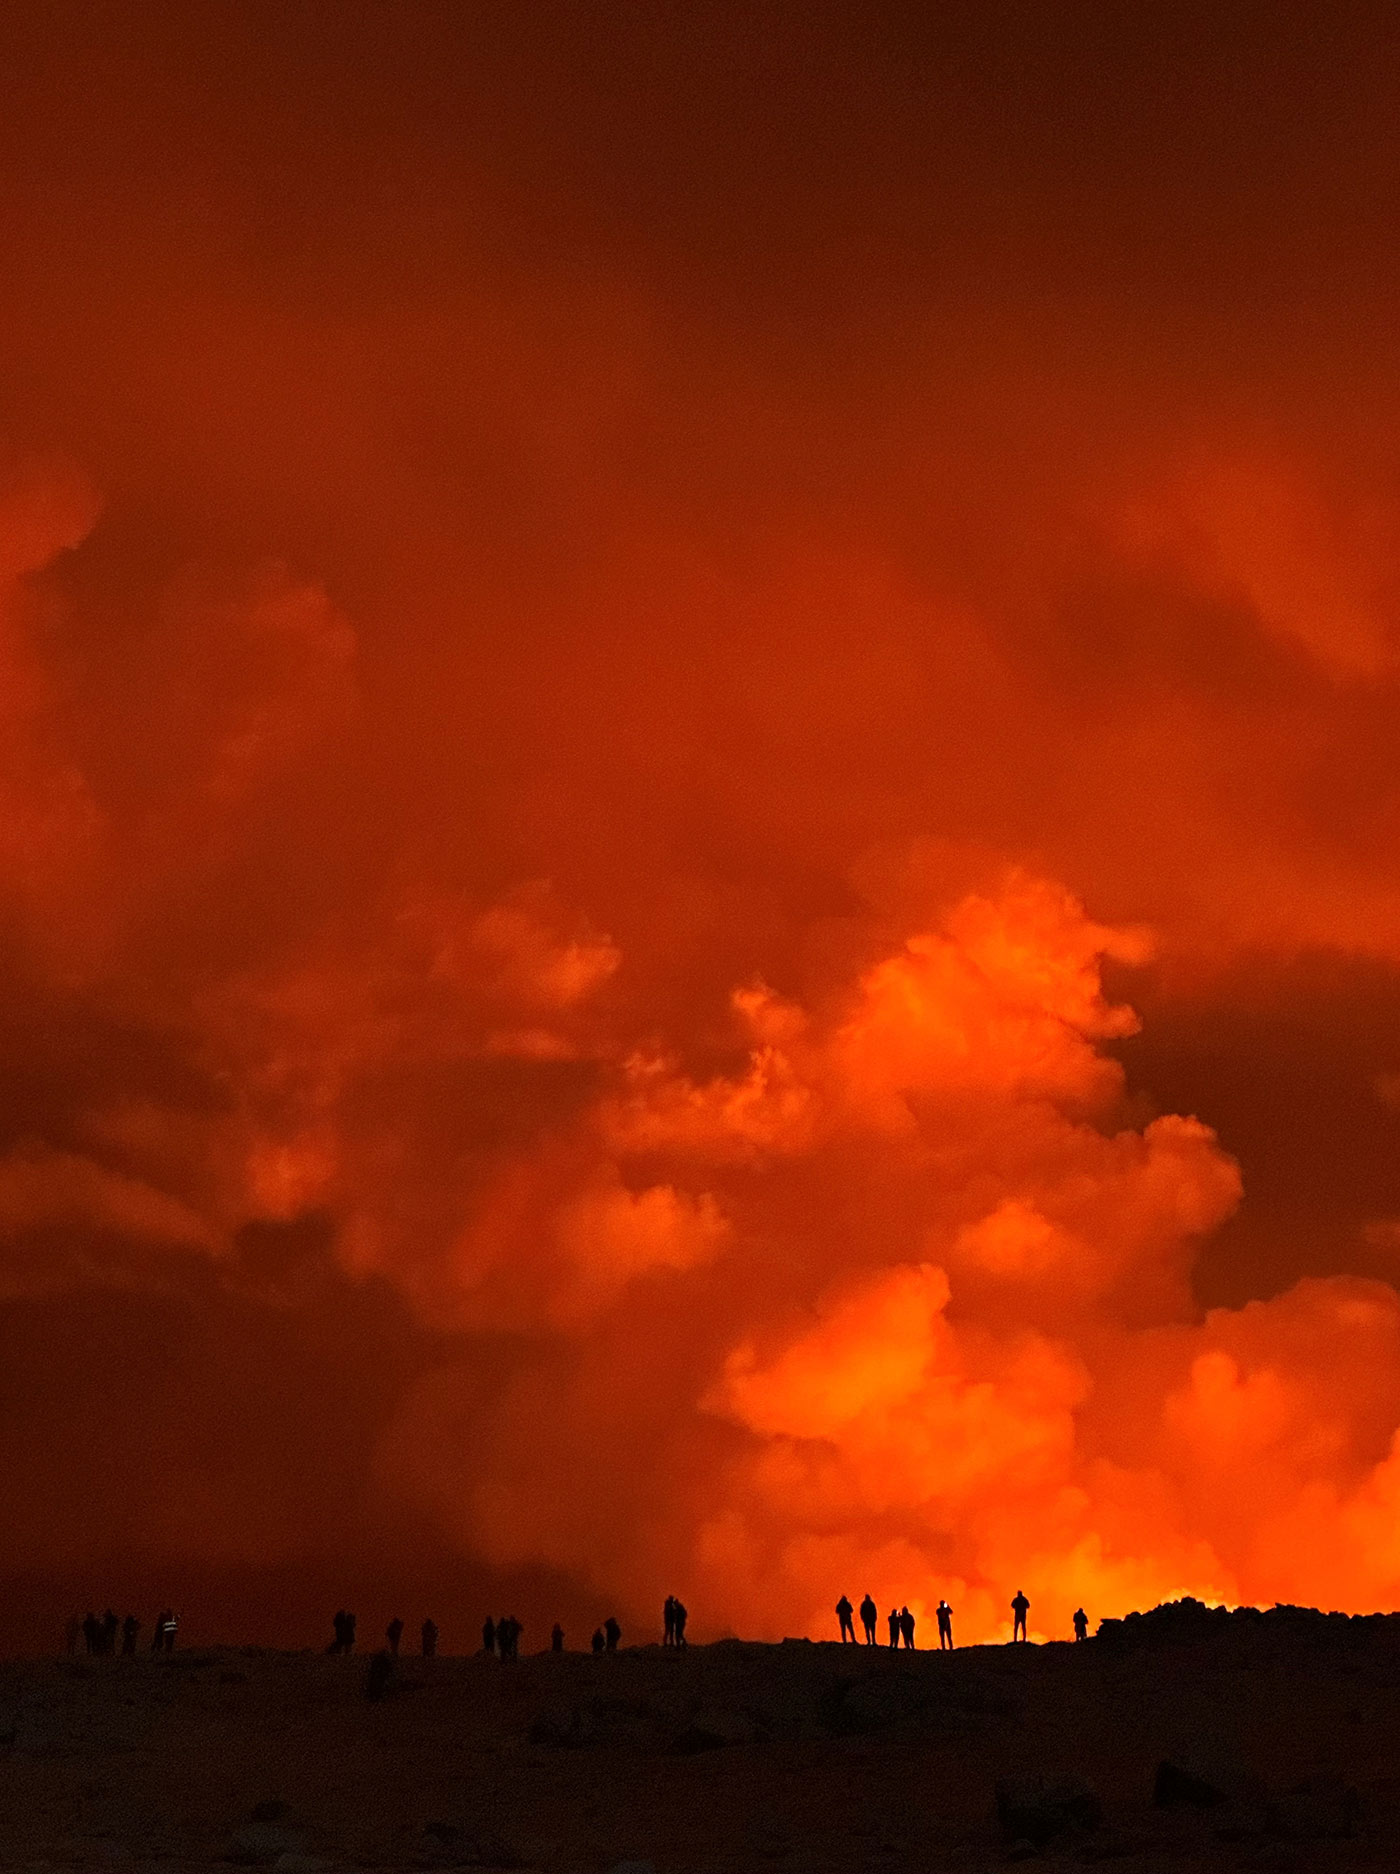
{"x": 1285, "y": 1727}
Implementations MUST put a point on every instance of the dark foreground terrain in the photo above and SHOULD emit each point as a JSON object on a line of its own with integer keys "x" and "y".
{"x": 1267, "y": 1741}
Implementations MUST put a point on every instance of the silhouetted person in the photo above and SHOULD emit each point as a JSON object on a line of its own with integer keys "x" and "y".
{"x": 131, "y": 1626}
{"x": 945, "y": 1627}
{"x": 110, "y": 1623}
{"x": 844, "y": 1613}
{"x": 894, "y": 1626}
{"x": 380, "y": 1677}
{"x": 681, "y": 1617}
{"x": 1020, "y": 1607}
{"x": 508, "y": 1632}
{"x": 1081, "y": 1624}
{"x": 171, "y": 1625}
{"x": 612, "y": 1633}
{"x": 556, "y": 1638}
{"x": 906, "y": 1627}
{"x": 430, "y": 1638}
{"x": 600, "y": 1640}
{"x": 488, "y": 1635}
{"x": 393, "y": 1633}
{"x": 869, "y": 1616}
{"x": 668, "y": 1637}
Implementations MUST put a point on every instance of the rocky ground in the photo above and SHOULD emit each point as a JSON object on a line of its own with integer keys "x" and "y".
{"x": 1176, "y": 1741}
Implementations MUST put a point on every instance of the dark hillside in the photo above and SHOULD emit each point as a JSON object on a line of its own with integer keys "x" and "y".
{"x": 1267, "y": 1740}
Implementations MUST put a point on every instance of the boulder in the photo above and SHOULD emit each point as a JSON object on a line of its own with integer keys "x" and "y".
{"x": 714, "y": 1729}
{"x": 1039, "y": 1809}
{"x": 1178, "y": 1786}
{"x": 1203, "y": 1775}
{"x": 261, "y": 1844}
{"x": 1322, "y": 1809}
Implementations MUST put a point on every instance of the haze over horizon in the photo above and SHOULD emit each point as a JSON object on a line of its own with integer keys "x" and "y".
{"x": 698, "y": 863}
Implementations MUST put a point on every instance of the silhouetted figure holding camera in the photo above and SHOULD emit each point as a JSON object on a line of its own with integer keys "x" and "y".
{"x": 945, "y": 1627}
{"x": 1020, "y": 1607}
{"x": 845, "y": 1614}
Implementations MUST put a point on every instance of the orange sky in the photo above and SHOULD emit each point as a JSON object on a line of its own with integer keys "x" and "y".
{"x": 697, "y": 811}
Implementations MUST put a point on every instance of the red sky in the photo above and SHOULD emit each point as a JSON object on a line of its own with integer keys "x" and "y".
{"x": 697, "y": 811}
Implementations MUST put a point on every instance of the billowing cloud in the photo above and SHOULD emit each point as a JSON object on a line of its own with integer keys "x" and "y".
{"x": 697, "y": 812}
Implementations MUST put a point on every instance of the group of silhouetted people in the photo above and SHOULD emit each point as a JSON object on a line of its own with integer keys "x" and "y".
{"x": 901, "y": 1622}
{"x": 607, "y": 1637}
{"x": 502, "y": 1637}
{"x": 343, "y": 1626}
{"x": 427, "y": 1638}
{"x": 99, "y": 1634}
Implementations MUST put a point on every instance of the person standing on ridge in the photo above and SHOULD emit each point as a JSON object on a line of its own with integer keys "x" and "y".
{"x": 600, "y": 1640}
{"x": 1020, "y": 1607}
{"x": 556, "y": 1639}
{"x": 681, "y": 1615}
{"x": 845, "y": 1613}
{"x": 894, "y": 1626}
{"x": 869, "y": 1616}
{"x": 669, "y": 1611}
{"x": 1081, "y": 1624}
{"x": 612, "y": 1633}
{"x": 945, "y": 1627}
{"x": 906, "y": 1627}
